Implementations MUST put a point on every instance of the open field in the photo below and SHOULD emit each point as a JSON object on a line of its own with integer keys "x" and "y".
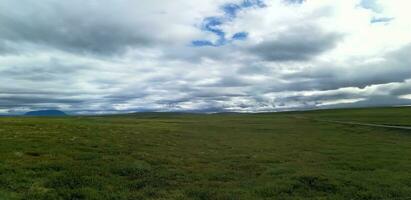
{"x": 222, "y": 156}
{"x": 397, "y": 116}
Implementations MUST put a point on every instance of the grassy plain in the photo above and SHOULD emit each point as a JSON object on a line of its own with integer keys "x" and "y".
{"x": 193, "y": 156}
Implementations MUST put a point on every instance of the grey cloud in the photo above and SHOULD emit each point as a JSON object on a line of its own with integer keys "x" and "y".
{"x": 396, "y": 67}
{"x": 29, "y": 100}
{"x": 294, "y": 1}
{"x": 47, "y": 84}
{"x": 74, "y": 26}
{"x": 230, "y": 81}
{"x": 404, "y": 89}
{"x": 6, "y": 49}
{"x": 387, "y": 94}
{"x": 296, "y": 44}
{"x": 375, "y": 101}
{"x": 254, "y": 70}
{"x": 52, "y": 71}
{"x": 381, "y": 20}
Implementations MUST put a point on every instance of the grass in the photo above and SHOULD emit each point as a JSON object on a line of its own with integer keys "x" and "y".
{"x": 183, "y": 156}
{"x": 400, "y": 116}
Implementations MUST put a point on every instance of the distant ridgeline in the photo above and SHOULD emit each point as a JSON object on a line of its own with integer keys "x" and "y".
{"x": 46, "y": 113}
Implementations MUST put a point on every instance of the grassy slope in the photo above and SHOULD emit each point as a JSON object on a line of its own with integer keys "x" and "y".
{"x": 269, "y": 156}
{"x": 390, "y": 116}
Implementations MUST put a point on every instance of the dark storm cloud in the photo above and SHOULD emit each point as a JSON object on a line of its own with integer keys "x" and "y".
{"x": 296, "y": 44}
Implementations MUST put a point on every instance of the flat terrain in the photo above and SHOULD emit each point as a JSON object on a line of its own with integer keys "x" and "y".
{"x": 221, "y": 156}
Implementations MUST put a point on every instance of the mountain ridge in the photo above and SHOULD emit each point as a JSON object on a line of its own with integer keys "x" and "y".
{"x": 46, "y": 113}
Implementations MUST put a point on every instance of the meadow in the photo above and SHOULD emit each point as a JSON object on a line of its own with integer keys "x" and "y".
{"x": 198, "y": 156}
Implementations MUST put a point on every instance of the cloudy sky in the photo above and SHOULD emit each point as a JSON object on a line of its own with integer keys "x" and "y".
{"x": 116, "y": 56}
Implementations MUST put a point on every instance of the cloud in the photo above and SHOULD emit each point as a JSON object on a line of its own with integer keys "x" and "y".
{"x": 296, "y": 44}
{"x": 381, "y": 19}
{"x": 295, "y": 1}
{"x": 87, "y": 57}
{"x": 90, "y": 27}
{"x": 372, "y": 5}
{"x": 214, "y": 24}
{"x": 59, "y": 26}
{"x": 357, "y": 72}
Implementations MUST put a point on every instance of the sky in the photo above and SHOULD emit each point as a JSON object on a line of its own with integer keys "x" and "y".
{"x": 105, "y": 56}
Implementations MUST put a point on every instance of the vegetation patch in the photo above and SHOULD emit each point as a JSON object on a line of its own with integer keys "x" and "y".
{"x": 224, "y": 157}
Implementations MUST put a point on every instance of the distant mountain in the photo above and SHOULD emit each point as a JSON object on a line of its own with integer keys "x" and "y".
{"x": 46, "y": 113}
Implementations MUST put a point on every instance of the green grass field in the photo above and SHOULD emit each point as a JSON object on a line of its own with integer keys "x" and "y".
{"x": 222, "y": 156}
